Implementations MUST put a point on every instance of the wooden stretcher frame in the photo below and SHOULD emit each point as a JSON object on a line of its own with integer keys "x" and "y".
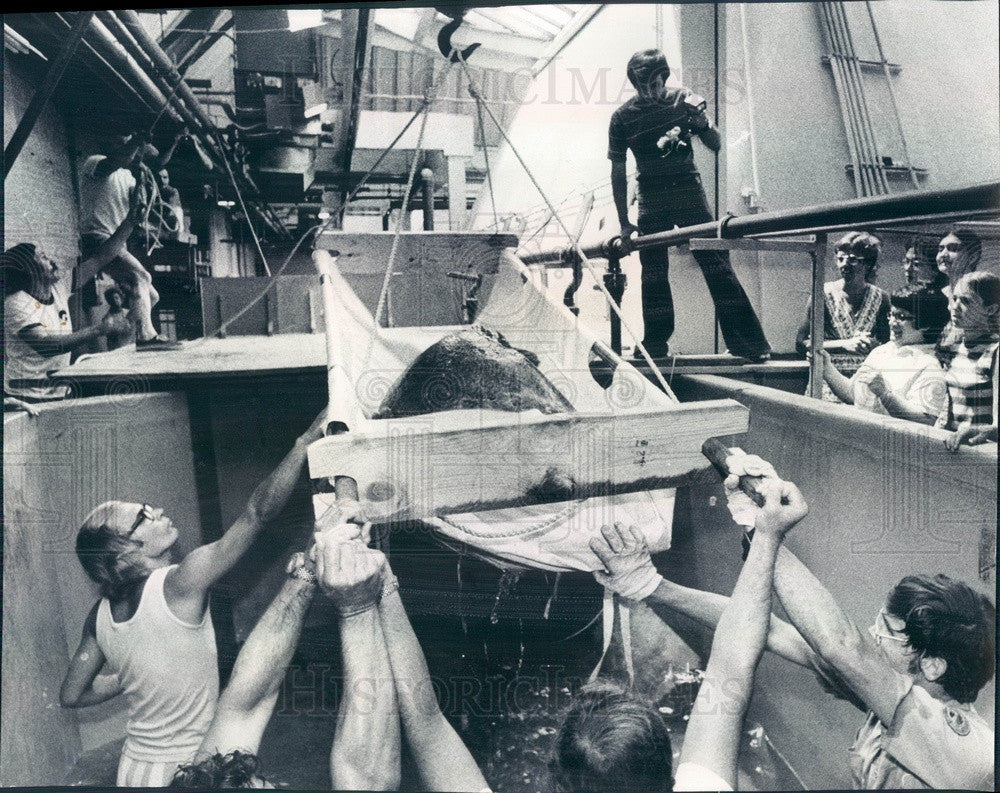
{"x": 460, "y": 461}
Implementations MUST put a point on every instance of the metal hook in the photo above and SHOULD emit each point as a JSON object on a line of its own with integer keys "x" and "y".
{"x": 448, "y": 50}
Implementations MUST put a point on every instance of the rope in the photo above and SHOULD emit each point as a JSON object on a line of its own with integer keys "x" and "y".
{"x": 383, "y": 294}
{"x": 387, "y": 276}
{"x": 486, "y": 152}
{"x": 575, "y": 245}
{"x": 318, "y": 229}
{"x": 243, "y": 206}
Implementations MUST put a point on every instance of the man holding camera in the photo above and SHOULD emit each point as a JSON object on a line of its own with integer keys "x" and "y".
{"x": 658, "y": 125}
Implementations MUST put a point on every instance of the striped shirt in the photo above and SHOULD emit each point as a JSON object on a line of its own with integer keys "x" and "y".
{"x": 971, "y": 377}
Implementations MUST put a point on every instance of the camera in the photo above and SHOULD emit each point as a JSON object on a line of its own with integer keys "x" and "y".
{"x": 695, "y": 103}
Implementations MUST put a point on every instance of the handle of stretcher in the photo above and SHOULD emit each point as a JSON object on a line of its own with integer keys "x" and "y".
{"x": 717, "y": 452}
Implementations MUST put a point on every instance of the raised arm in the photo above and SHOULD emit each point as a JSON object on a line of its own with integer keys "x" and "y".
{"x": 707, "y": 608}
{"x": 365, "y": 754}
{"x": 164, "y": 159}
{"x": 444, "y": 761}
{"x": 702, "y": 126}
{"x": 631, "y": 575}
{"x": 247, "y": 702}
{"x": 205, "y": 565}
{"x": 83, "y": 684}
{"x": 712, "y": 738}
{"x": 834, "y": 637}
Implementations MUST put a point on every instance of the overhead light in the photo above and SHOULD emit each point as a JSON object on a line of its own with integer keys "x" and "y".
{"x": 300, "y": 19}
{"x": 226, "y": 204}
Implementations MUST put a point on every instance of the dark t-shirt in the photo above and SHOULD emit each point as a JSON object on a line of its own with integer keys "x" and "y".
{"x": 658, "y": 131}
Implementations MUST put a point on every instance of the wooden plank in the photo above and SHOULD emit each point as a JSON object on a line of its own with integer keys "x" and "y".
{"x": 233, "y": 356}
{"x": 461, "y": 461}
{"x": 749, "y": 244}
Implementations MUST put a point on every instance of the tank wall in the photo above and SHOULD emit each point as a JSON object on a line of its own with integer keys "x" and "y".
{"x": 886, "y": 500}
{"x": 57, "y": 467}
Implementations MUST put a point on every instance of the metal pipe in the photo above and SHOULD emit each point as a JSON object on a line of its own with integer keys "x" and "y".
{"x": 892, "y": 97}
{"x": 114, "y": 48}
{"x": 121, "y": 36}
{"x": 748, "y": 85}
{"x": 983, "y": 197}
{"x": 164, "y": 67}
{"x": 44, "y": 92}
{"x": 102, "y": 64}
{"x": 862, "y": 179}
{"x": 867, "y": 129}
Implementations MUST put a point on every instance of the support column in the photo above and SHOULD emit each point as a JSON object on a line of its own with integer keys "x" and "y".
{"x": 458, "y": 217}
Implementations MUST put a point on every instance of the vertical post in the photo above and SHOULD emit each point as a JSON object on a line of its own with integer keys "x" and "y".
{"x": 816, "y": 319}
{"x": 427, "y": 180}
{"x": 45, "y": 90}
{"x": 614, "y": 281}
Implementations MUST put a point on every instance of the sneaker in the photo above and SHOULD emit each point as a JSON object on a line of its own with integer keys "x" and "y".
{"x": 156, "y": 344}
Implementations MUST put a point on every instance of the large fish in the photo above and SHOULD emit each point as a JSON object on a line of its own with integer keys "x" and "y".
{"x": 474, "y": 368}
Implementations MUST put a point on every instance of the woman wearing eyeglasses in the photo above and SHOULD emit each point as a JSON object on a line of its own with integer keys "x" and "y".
{"x": 151, "y": 632}
{"x": 856, "y": 312}
{"x": 902, "y": 377}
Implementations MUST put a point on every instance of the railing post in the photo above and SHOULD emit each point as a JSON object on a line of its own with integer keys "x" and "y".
{"x": 816, "y": 324}
{"x": 614, "y": 282}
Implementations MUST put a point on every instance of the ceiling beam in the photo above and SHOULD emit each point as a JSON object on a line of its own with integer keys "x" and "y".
{"x": 580, "y": 20}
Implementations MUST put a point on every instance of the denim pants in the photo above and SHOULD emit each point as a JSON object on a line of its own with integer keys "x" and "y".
{"x": 680, "y": 201}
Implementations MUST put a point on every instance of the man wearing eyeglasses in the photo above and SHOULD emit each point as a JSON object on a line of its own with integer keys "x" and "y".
{"x": 916, "y": 671}
{"x": 152, "y": 628}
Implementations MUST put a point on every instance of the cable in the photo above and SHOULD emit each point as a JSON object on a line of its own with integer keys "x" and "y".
{"x": 243, "y": 206}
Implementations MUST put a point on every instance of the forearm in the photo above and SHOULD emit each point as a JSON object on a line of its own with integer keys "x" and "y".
{"x": 902, "y": 408}
{"x": 52, "y": 344}
{"x": 810, "y": 607}
{"x": 707, "y": 607}
{"x": 443, "y": 759}
{"x": 103, "y": 688}
{"x": 366, "y": 747}
{"x": 841, "y": 386}
{"x": 743, "y": 627}
{"x": 268, "y": 649}
{"x": 713, "y": 733}
{"x": 619, "y": 190}
{"x": 711, "y": 138}
{"x": 271, "y": 495}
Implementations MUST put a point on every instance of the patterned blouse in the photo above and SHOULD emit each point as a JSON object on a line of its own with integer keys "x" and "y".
{"x": 840, "y": 322}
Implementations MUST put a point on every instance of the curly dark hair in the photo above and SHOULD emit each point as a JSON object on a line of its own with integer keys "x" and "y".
{"x": 234, "y": 771}
{"x": 610, "y": 739}
{"x": 19, "y": 268}
{"x": 948, "y": 619}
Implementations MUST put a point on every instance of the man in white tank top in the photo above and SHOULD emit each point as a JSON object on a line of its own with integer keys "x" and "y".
{"x": 152, "y": 628}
